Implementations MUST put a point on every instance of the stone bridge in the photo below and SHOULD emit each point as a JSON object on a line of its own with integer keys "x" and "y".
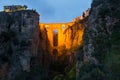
{"x": 63, "y": 35}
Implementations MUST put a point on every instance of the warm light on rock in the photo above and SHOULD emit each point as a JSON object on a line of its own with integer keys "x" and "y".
{"x": 68, "y": 35}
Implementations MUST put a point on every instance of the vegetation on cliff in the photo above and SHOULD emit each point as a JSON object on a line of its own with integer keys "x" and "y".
{"x": 102, "y": 42}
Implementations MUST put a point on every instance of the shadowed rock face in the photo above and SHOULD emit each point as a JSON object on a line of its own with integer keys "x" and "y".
{"x": 101, "y": 42}
{"x": 19, "y": 41}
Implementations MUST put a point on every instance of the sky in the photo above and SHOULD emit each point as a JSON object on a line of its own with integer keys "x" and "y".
{"x": 52, "y": 11}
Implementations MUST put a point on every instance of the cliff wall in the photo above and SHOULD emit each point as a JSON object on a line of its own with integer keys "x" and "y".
{"x": 19, "y": 42}
{"x": 101, "y": 42}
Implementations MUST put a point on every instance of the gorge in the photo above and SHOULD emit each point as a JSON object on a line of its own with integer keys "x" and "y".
{"x": 86, "y": 48}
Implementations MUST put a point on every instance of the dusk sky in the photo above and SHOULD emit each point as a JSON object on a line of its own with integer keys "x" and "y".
{"x": 53, "y": 10}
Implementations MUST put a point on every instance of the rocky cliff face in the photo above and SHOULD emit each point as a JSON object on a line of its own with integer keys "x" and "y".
{"x": 19, "y": 42}
{"x": 101, "y": 42}
{"x": 74, "y": 33}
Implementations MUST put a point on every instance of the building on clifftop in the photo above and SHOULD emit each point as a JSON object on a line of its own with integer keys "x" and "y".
{"x": 13, "y": 8}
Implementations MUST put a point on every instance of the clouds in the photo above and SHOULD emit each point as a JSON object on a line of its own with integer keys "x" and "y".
{"x": 53, "y": 10}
